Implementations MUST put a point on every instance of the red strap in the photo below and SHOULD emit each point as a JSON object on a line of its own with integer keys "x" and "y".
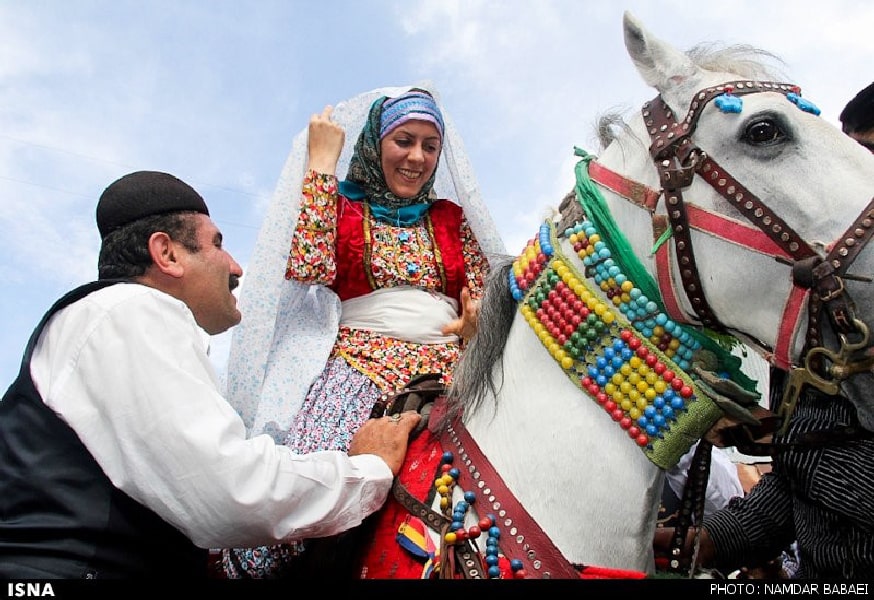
{"x": 608, "y": 573}
{"x": 789, "y": 325}
{"x": 634, "y": 191}
{"x": 666, "y": 285}
{"x": 733, "y": 231}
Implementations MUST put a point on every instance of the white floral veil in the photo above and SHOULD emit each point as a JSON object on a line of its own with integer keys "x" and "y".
{"x": 288, "y": 328}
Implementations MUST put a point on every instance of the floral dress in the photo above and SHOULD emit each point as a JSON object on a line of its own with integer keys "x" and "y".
{"x": 362, "y": 363}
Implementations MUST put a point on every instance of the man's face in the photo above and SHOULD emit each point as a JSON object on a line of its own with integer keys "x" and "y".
{"x": 866, "y": 138}
{"x": 210, "y": 275}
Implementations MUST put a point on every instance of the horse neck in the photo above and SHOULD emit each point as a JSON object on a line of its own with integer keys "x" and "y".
{"x": 747, "y": 290}
{"x": 580, "y": 477}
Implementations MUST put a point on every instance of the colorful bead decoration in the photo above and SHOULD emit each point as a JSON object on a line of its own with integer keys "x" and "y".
{"x": 728, "y": 102}
{"x": 612, "y": 341}
{"x": 457, "y": 532}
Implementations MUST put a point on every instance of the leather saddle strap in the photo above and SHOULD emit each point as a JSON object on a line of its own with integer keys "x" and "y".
{"x": 523, "y": 537}
{"x": 691, "y": 505}
{"x": 417, "y": 508}
{"x": 426, "y": 385}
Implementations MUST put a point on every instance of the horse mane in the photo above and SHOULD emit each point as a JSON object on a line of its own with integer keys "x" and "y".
{"x": 474, "y": 372}
{"x": 745, "y": 61}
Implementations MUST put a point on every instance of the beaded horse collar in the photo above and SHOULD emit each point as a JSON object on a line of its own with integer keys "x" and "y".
{"x": 623, "y": 351}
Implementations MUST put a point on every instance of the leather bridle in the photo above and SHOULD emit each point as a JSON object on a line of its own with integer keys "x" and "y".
{"x": 819, "y": 278}
{"x": 678, "y": 160}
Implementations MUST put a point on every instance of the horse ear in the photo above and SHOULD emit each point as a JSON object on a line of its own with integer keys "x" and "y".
{"x": 661, "y": 65}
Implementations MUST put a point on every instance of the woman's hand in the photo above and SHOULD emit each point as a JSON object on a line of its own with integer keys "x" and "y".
{"x": 465, "y": 326}
{"x": 325, "y": 142}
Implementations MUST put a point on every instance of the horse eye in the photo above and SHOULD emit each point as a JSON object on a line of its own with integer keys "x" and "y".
{"x": 764, "y": 132}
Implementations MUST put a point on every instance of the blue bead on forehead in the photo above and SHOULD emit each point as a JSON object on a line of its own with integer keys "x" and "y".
{"x": 417, "y": 106}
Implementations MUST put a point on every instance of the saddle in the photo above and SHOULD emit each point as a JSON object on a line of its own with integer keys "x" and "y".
{"x": 418, "y": 395}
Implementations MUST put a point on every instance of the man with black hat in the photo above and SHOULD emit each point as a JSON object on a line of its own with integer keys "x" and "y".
{"x": 118, "y": 455}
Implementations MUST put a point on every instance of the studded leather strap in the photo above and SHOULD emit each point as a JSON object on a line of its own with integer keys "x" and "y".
{"x": 667, "y": 136}
{"x": 523, "y": 537}
{"x": 678, "y": 160}
{"x": 828, "y": 279}
{"x": 691, "y": 506}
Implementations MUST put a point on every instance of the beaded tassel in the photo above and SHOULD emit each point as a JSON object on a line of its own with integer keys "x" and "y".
{"x": 456, "y": 532}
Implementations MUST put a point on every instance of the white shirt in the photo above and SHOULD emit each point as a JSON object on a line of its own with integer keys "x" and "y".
{"x": 722, "y": 485}
{"x": 126, "y": 367}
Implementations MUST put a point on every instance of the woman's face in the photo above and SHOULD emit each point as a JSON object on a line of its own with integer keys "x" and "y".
{"x": 409, "y": 157}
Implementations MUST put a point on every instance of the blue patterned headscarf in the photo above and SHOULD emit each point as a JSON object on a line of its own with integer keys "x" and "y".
{"x": 414, "y": 105}
{"x": 365, "y": 179}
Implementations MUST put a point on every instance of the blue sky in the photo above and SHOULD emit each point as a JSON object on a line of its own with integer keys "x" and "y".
{"x": 215, "y": 91}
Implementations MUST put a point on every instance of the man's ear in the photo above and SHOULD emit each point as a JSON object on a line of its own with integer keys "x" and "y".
{"x": 165, "y": 256}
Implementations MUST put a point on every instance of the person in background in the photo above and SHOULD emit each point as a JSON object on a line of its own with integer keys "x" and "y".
{"x": 119, "y": 456}
{"x": 405, "y": 267}
{"x": 814, "y": 508}
{"x": 857, "y": 118}
{"x": 723, "y": 484}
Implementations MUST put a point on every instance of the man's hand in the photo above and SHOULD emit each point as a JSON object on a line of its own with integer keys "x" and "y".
{"x": 465, "y": 326}
{"x": 325, "y": 142}
{"x": 386, "y": 437}
{"x": 714, "y": 434}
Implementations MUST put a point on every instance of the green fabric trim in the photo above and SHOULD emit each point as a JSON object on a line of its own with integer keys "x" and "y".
{"x": 595, "y": 207}
{"x": 662, "y": 239}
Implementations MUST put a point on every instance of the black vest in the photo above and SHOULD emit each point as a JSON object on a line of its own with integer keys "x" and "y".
{"x": 60, "y": 516}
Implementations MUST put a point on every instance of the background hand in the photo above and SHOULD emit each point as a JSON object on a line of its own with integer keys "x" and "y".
{"x": 325, "y": 142}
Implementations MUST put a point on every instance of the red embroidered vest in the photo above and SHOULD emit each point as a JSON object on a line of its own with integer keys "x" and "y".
{"x": 353, "y": 248}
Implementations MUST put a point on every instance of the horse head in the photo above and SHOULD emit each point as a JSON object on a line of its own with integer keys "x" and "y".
{"x": 736, "y": 202}
{"x": 777, "y": 209}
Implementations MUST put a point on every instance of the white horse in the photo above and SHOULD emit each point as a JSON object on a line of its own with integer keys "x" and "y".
{"x": 586, "y": 482}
